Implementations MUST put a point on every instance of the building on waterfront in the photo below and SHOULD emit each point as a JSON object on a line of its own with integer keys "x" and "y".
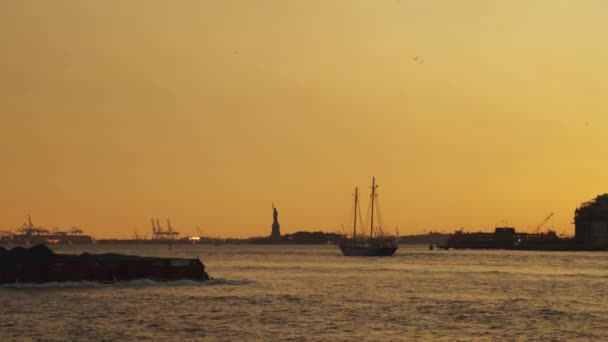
{"x": 591, "y": 223}
{"x": 275, "y": 233}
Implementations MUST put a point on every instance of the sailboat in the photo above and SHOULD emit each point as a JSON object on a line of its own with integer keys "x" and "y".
{"x": 379, "y": 244}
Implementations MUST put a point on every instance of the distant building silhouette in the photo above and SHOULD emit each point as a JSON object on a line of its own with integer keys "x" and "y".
{"x": 276, "y": 227}
{"x": 591, "y": 223}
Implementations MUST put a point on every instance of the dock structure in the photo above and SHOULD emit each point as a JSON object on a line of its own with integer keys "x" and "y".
{"x": 30, "y": 234}
{"x": 590, "y": 233}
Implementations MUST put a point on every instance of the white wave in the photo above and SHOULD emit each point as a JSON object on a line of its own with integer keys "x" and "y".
{"x": 222, "y": 281}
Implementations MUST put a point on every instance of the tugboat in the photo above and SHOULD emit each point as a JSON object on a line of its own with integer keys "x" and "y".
{"x": 379, "y": 244}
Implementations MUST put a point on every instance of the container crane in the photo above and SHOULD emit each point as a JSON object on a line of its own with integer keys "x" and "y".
{"x": 543, "y": 222}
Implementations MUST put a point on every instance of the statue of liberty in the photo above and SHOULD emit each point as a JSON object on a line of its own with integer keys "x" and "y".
{"x": 276, "y": 227}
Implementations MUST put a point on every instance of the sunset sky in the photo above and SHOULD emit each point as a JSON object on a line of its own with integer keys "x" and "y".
{"x": 207, "y": 112}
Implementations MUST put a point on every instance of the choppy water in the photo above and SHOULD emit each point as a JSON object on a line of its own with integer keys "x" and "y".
{"x": 312, "y": 293}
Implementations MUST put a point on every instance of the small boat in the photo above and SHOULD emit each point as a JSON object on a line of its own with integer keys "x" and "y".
{"x": 377, "y": 243}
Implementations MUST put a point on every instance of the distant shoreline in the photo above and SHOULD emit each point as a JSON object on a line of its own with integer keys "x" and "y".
{"x": 298, "y": 238}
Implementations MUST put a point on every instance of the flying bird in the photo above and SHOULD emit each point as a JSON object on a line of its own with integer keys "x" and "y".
{"x": 415, "y": 59}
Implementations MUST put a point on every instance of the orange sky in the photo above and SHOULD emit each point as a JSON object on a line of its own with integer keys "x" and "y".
{"x": 113, "y": 112}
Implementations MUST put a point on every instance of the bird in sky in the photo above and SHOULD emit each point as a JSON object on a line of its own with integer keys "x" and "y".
{"x": 415, "y": 59}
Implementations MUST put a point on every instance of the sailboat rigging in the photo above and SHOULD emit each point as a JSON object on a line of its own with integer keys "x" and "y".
{"x": 378, "y": 245}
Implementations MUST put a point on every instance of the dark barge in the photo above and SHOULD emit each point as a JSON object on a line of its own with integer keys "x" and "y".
{"x": 39, "y": 264}
{"x": 508, "y": 238}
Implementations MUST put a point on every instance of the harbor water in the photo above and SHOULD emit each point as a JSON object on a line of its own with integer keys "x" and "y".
{"x": 313, "y": 293}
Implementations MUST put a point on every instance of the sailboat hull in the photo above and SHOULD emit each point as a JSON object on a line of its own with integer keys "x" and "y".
{"x": 368, "y": 250}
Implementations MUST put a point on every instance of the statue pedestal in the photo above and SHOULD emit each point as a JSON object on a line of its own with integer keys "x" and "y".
{"x": 276, "y": 230}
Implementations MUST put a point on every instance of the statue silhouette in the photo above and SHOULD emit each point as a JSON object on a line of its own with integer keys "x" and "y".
{"x": 276, "y": 228}
{"x": 275, "y": 214}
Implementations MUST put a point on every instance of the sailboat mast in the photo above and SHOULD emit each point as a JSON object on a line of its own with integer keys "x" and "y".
{"x": 355, "y": 220}
{"x": 371, "y": 227}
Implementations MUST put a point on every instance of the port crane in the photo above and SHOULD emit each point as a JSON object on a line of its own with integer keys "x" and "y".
{"x": 158, "y": 233}
{"x": 543, "y": 222}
